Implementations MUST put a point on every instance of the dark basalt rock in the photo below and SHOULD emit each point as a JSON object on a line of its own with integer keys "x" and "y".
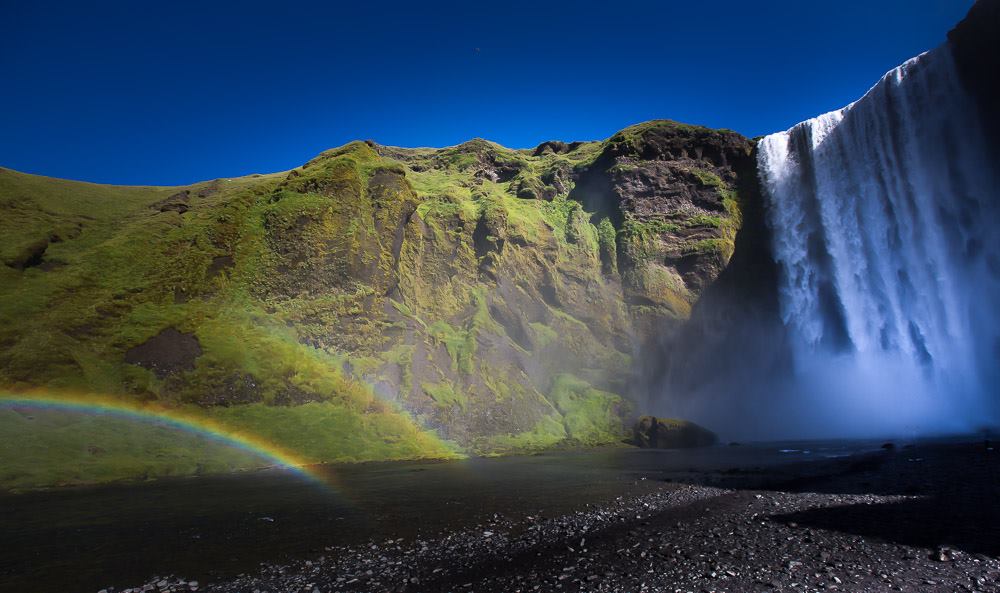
{"x": 490, "y": 163}
{"x": 30, "y": 256}
{"x": 675, "y": 195}
{"x": 219, "y": 265}
{"x": 168, "y": 352}
{"x": 555, "y": 147}
{"x": 734, "y": 314}
{"x": 178, "y": 202}
{"x": 210, "y": 189}
{"x": 975, "y": 43}
{"x": 669, "y": 433}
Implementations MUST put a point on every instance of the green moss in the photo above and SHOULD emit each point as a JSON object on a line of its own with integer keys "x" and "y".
{"x": 49, "y": 448}
{"x": 436, "y": 183}
{"x": 299, "y": 285}
{"x": 648, "y": 229}
{"x": 708, "y": 246}
{"x": 405, "y": 310}
{"x": 61, "y": 211}
{"x": 729, "y": 225}
{"x": 709, "y": 178}
{"x": 547, "y": 432}
{"x": 558, "y": 214}
{"x": 704, "y": 220}
{"x": 543, "y": 334}
{"x": 582, "y": 415}
{"x": 632, "y": 138}
{"x": 460, "y": 343}
{"x": 402, "y": 356}
{"x": 438, "y": 212}
{"x": 664, "y": 288}
{"x": 590, "y": 416}
{"x": 608, "y": 245}
{"x": 246, "y": 343}
{"x": 642, "y": 241}
{"x": 362, "y": 366}
{"x": 623, "y": 168}
{"x": 133, "y": 271}
{"x": 326, "y": 432}
{"x": 502, "y": 387}
{"x": 445, "y": 395}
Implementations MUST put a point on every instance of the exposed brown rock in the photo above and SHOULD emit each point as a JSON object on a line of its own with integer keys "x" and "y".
{"x": 166, "y": 353}
{"x": 30, "y": 256}
{"x": 178, "y": 202}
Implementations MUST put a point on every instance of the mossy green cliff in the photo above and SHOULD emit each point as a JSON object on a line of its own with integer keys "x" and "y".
{"x": 432, "y": 302}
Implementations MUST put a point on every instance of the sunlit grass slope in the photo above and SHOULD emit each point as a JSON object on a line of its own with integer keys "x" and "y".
{"x": 376, "y": 303}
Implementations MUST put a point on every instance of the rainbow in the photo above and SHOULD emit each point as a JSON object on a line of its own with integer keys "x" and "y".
{"x": 173, "y": 418}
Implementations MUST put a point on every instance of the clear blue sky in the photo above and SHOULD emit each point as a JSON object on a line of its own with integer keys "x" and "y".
{"x": 175, "y": 92}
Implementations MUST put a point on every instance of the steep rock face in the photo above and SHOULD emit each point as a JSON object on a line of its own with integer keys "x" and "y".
{"x": 671, "y": 191}
{"x": 733, "y": 317}
{"x": 975, "y": 44}
{"x": 490, "y": 297}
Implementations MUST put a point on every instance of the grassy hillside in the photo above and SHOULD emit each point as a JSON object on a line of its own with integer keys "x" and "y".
{"x": 375, "y": 303}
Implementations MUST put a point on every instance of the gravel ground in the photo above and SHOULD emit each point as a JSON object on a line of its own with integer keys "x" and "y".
{"x": 911, "y": 519}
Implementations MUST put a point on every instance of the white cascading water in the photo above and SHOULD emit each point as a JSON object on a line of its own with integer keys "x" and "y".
{"x": 885, "y": 223}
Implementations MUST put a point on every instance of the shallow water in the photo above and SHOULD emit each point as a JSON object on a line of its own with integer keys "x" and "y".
{"x": 87, "y": 538}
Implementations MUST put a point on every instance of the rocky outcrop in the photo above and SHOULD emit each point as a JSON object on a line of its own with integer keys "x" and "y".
{"x": 670, "y": 433}
{"x": 168, "y": 352}
{"x": 30, "y": 255}
{"x": 672, "y": 193}
{"x": 734, "y": 315}
{"x": 178, "y": 202}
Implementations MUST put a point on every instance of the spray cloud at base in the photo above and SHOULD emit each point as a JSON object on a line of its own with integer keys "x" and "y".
{"x": 882, "y": 219}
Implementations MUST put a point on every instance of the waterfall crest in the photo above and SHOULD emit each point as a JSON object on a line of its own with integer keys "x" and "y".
{"x": 885, "y": 226}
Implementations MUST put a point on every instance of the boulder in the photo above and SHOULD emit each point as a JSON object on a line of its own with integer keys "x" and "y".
{"x": 670, "y": 433}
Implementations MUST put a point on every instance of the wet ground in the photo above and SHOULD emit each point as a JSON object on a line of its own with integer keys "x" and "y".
{"x": 273, "y": 531}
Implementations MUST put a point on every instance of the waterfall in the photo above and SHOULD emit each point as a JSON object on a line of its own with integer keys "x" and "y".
{"x": 885, "y": 226}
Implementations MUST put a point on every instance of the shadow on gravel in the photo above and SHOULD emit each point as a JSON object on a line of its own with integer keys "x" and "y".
{"x": 952, "y": 495}
{"x": 935, "y": 522}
